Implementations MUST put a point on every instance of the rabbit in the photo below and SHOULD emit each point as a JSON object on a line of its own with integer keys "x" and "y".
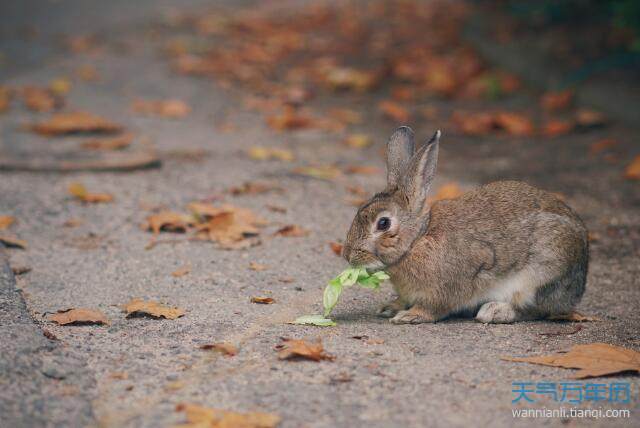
{"x": 504, "y": 252}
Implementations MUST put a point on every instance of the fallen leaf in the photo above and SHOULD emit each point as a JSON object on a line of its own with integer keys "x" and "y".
{"x": 290, "y": 118}
{"x": 257, "y": 267}
{"x": 172, "y": 108}
{"x": 602, "y": 145}
{"x": 394, "y": 111}
{"x": 14, "y": 242}
{"x": 358, "y": 141}
{"x": 253, "y": 188}
{"x": 554, "y": 128}
{"x": 296, "y": 348}
{"x": 263, "y": 300}
{"x": 574, "y": 317}
{"x": 111, "y": 143}
{"x": 6, "y": 221}
{"x": 362, "y": 169}
{"x": 80, "y": 192}
{"x": 270, "y": 153}
{"x": 5, "y": 98}
{"x": 318, "y": 320}
{"x": 552, "y": 101}
{"x": 60, "y": 86}
{"x": 169, "y": 221}
{"x": 590, "y": 118}
{"x": 291, "y": 231}
{"x": 514, "y": 123}
{"x": 154, "y": 309}
{"x": 447, "y": 191}
{"x": 79, "y": 316}
{"x": 182, "y": 271}
{"x": 345, "y": 115}
{"x": 474, "y": 123}
{"x": 592, "y": 360}
{"x": 40, "y": 99}
{"x": 632, "y": 171}
{"x": 225, "y": 348}
{"x": 328, "y": 172}
{"x": 230, "y": 227}
{"x": 336, "y": 247}
{"x": 76, "y": 122}
{"x": 201, "y": 417}
{"x": 345, "y": 78}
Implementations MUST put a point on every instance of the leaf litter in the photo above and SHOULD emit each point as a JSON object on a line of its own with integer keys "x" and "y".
{"x": 79, "y": 316}
{"x": 153, "y": 309}
{"x": 201, "y": 417}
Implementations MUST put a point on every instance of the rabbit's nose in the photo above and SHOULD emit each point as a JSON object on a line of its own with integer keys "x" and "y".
{"x": 346, "y": 252}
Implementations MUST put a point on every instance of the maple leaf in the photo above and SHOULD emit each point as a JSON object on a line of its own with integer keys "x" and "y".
{"x": 80, "y": 192}
{"x": 153, "y": 309}
{"x": 201, "y": 417}
{"x": 171, "y": 108}
{"x": 263, "y": 300}
{"x": 592, "y": 360}
{"x": 169, "y": 221}
{"x": 231, "y": 227}
{"x": 112, "y": 143}
{"x": 75, "y": 122}
{"x": 79, "y": 316}
{"x": 291, "y": 231}
{"x": 301, "y": 349}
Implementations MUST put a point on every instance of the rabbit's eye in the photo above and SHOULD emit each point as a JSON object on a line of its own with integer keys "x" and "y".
{"x": 383, "y": 223}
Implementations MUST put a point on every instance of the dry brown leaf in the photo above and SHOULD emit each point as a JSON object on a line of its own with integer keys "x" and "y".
{"x": 79, "y": 316}
{"x": 291, "y": 231}
{"x": 270, "y": 153}
{"x": 632, "y": 171}
{"x": 552, "y": 101}
{"x": 336, "y": 247}
{"x": 344, "y": 78}
{"x": 169, "y": 221}
{"x": 5, "y": 98}
{"x": 447, "y": 191}
{"x": 225, "y": 348}
{"x": 345, "y": 115}
{"x": 6, "y": 221}
{"x": 60, "y": 86}
{"x": 394, "y": 111}
{"x": 358, "y": 141}
{"x": 602, "y": 145}
{"x": 154, "y": 309}
{"x": 555, "y": 127}
{"x": 474, "y": 123}
{"x": 590, "y": 118}
{"x": 592, "y": 360}
{"x": 257, "y": 267}
{"x": 328, "y": 172}
{"x": 80, "y": 192}
{"x": 75, "y": 122}
{"x": 253, "y": 188}
{"x": 514, "y": 123}
{"x": 40, "y": 99}
{"x": 296, "y": 348}
{"x": 11, "y": 241}
{"x": 362, "y": 169}
{"x": 172, "y": 108}
{"x": 289, "y": 118}
{"x": 574, "y": 317}
{"x": 182, "y": 271}
{"x": 201, "y": 417}
{"x": 118, "y": 142}
{"x": 229, "y": 226}
{"x": 263, "y": 300}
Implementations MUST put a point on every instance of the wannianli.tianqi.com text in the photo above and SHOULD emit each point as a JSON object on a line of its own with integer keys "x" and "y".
{"x": 571, "y": 412}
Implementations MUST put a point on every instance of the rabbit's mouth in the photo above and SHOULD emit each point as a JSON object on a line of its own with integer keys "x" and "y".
{"x": 373, "y": 266}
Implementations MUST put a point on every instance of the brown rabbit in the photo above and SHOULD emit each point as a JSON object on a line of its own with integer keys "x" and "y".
{"x": 504, "y": 252}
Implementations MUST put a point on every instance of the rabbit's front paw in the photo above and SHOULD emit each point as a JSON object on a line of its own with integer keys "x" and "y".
{"x": 391, "y": 309}
{"x": 497, "y": 313}
{"x": 415, "y": 315}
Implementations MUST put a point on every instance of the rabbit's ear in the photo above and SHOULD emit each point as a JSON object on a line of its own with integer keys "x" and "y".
{"x": 399, "y": 152}
{"x": 419, "y": 175}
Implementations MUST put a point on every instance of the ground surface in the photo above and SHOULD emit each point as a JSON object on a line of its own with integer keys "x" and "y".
{"x": 445, "y": 374}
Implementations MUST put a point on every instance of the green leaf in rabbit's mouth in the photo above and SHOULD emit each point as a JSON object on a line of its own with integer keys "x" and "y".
{"x": 334, "y": 288}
